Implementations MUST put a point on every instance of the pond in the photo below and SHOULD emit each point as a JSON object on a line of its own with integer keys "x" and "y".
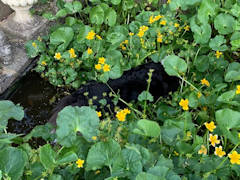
{"x": 34, "y": 94}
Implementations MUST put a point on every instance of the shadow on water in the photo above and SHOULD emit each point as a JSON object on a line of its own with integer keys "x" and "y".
{"x": 33, "y": 93}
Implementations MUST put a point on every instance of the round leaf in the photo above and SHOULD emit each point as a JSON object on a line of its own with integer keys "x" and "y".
{"x": 174, "y": 65}
{"x": 224, "y": 23}
{"x": 75, "y": 119}
{"x": 97, "y": 15}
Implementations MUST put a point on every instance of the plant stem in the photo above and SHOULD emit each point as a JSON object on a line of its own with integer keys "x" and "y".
{"x": 189, "y": 83}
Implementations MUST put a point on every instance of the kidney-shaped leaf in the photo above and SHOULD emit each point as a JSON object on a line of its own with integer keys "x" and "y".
{"x": 224, "y": 23}
{"x": 218, "y": 43}
{"x": 103, "y": 154}
{"x": 233, "y": 72}
{"x": 97, "y": 15}
{"x": 147, "y": 128}
{"x": 75, "y": 119}
{"x": 174, "y": 65}
{"x": 62, "y": 37}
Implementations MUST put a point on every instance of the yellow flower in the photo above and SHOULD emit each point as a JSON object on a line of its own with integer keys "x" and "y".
{"x": 72, "y": 53}
{"x": 168, "y": 1}
{"x": 131, "y": 34}
{"x": 199, "y": 94}
{"x": 156, "y": 18}
{"x": 99, "y": 37}
{"x": 189, "y": 134}
{"x": 151, "y": 20}
{"x": 205, "y": 82}
{"x": 219, "y": 152}
{"x": 143, "y": 28}
{"x": 176, "y": 25}
{"x": 238, "y": 89}
{"x": 187, "y": 28}
{"x": 126, "y": 111}
{"x": 205, "y": 108}
{"x": 99, "y": 114}
{"x": 80, "y": 163}
{"x": 214, "y": 139}
{"x": 106, "y": 68}
{"x": 121, "y": 116}
{"x": 210, "y": 126}
{"x": 97, "y": 172}
{"x": 34, "y": 45}
{"x": 140, "y": 33}
{"x": 184, "y": 104}
{"x": 39, "y": 38}
{"x": 98, "y": 66}
{"x": 203, "y": 150}
{"x": 234, "y": 157}
{"x": 125, "y": 42}
{"x": 159, "y": 37}
{"x": 89, "y": 51}
{"x": 218, "y": 54}
{"x": 94, "y": 138}
{"x": 163, "y": 22}
{"x": 101, "y": 60}
{"x": 57, "y": 56}
{"x": 90, "y": 35}
{"x": 43, "y": 63}
{"x": 123, "y": 47}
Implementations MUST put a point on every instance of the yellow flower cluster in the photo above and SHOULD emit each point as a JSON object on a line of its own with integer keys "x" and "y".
{"x": 142, "y": 30}
{"x": 218, "y": 54}
{"x": 176, "y": 25}
{"x": 203, "y": 150}
{"x": 159, "y": 38}
{"x": 101, "y": 65}
{"x": 99, "y": 114}
{"x": 238, "y": 89}
{"x": 213, "y": 139}
{"x": 131, "y": 34}
{"x": 72, "y": 53}
{"x": 219, "y": 152}
{"x": 205, "y": 82}
{"x": 91, "y": 34}
{"x": 121, "y": 115}
{"x": 58, "y": 56}
{"x": 124, "y": 43}
{"x": 34, "y": 45}
{"x": 43, "y": 63}
{"x": 153, "y": 19}
{"x": 80, "y": 163}
{"x": 163, "y": 22}
{"x": 184, "y": 104}
{"x": 89, "y": 51}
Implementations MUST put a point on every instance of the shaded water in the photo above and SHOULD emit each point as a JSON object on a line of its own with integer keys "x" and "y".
{"x": 33, "y": 93}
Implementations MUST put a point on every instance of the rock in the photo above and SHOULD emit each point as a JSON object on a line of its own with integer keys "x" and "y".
{"x": 6, "y": 56}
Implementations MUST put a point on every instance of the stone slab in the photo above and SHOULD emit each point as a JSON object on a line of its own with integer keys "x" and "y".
{"x": 4, "y": 11}
{"x": 9, "y": 73}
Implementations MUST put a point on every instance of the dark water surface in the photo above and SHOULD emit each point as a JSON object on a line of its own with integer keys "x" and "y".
{"x": 33, "y": 93}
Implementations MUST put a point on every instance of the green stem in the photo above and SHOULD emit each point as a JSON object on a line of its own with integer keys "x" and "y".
{"x": 189, "y": 83}
{"x": 138, "y": 112}
{"x": 148, "y": 87}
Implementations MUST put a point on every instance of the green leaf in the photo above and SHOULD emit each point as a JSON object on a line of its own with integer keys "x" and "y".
{"x": 235, "y": 41}
{"x": 145, "y": 95}
{"x": 147, "y": 128}
{"x": 77, "y": 6}
{"x": 62, "y": 37}
{"x": 235, "y": 11}
{"x": 224, "y": 23}
{"x": 97, "y": 15}
{"x": 76, "y": 119}
{"x": 103, "y": 154}
{"x": 218, "y": 43}
{"x": 183, "y": 147}
{"x": 67, "y": 157}
{"x": 47, "y": 157}
{"x": 49, "y": 16}
{"x": 193, "y": 100}
{"x": 129, "y": 165}
{"x": 174, "y": 66}
{"x": 128, "y": 4}
{"x": 233, "y": 72}
{"x": 207, "y": 8}
{"x": 7, "y": 111}
{"x": 146, "y": 176}
{"x": 201, "y": 63}
{"x": 55, "y": 177}
{"x": 115, "y": 2}
{"x": 83, "y": 31}
{"x": 202, "y": 33}
{"x": 229, "y": 123}
{"x": 227, "y": 97}
{"x": 12, "y": 162}
{"x": 61, "y": 13}
{"x": 110, "y": 17}
{"x": 33, "y": 51}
